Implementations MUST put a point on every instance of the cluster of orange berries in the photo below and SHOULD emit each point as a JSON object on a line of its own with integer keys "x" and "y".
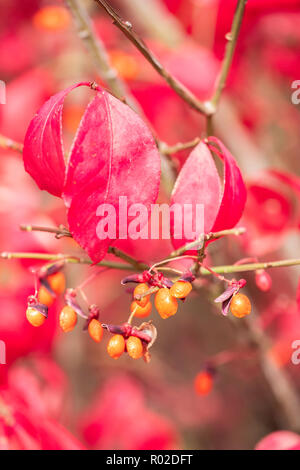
{"x": 117, "y": 345}
{"x": 129, "y": 339}
{"x": 68, "y": 320}
{"x": 53, "y": 285}
{"x": 135, "y": 341}
{"x": 166, "y": 299}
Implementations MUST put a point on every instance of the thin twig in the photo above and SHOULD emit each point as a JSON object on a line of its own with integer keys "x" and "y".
{"x": 141, "y": 266}
{"x": 154, "y": 17}
{"x": 60, "y": 232}
{"x": 204, "y": 238}
{"x": 98, "y": 51}
{"x": 176, "y": 85}
{"x": 232, "y": 38}
{"x": 252, "y": 266}
{"x": 67, "y": 258}
{"x": 150, "y": 291}
{"x": 64, "y": 232}
{"x": 170, "y": 149}
{"x": 10, "y": 144}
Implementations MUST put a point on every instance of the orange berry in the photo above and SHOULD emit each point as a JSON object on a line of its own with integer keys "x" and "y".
{"x": 240, "y": 305}
{"x": 57, "y": 282}
{"x": 141, "y": 312}
{"x": 52, "y": 18}
{"x": 134, "y": 347}
{"x": 165, "y": 303}
{"x": 203, "y": 383}
{"x": 139, "y": 290}
{"x": 95, "y": 330}
{"x": 67, "y": 319}
{"x": 35, "y": 317}
{"x": 116, "y": 346}
{"x": 45, "y": 297}
{"x": 181, "y": 289}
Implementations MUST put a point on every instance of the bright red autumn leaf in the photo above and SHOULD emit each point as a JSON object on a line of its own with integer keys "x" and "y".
{"x": 199, "y": 183}
{"x": 113, "y": 154}
{"x": 43, "y": 153}
{"x": 234, "y": 190}
{"x": 271, "y": 212}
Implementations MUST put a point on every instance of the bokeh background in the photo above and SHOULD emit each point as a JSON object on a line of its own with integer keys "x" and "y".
{"x": 62, "y": 390}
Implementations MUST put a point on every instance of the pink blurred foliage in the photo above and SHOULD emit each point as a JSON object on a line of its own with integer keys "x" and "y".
{"x": 271, "y": 212}
{"x": 11, "y": 44}
{"x": 119, "y": 418}
{"x": 224, "y": 12}
{"x": 279, "y": 440}
{"x": 24, "y": 95}
{"x": 279, "y": 33}
{"x": 13, "y": 13}
{"x": 31, "y": 405}
{"x": 16, "y": 210}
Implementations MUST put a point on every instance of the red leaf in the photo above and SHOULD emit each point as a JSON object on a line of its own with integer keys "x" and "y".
{"x": 43, "y": 153}
{"x": 114, "y": 154}
{"x": 199, "y": 183}
{"x": 234, "y": 192}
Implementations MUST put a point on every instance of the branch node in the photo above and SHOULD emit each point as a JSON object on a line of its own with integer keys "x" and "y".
{"x": 210, "y": 108}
